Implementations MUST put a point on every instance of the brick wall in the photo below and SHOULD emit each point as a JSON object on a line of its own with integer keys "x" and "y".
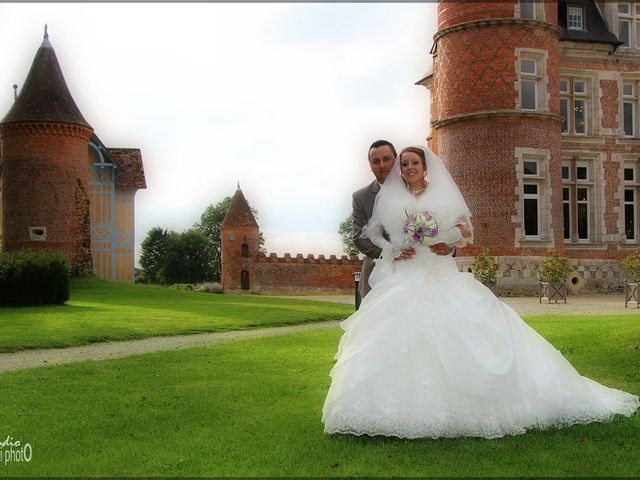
{"x": 286, "y": 274}
{"x": 305, "y": 274}
{"x": 44, "y": 184}
{"x": 480, "y": 155}
{"x": 609, "y": 102}
{"x": 453, "y": 13}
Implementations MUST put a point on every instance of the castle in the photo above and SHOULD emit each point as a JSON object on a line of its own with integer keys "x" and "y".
{"x": 245, "y": 268}
{"x": 535, "y": 111}
{"x": 61, "y": 189}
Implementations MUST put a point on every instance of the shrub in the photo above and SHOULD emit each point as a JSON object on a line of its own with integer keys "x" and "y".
{"x": 139, "y": 276}
{"x": 186, "y": 287}
{"x": 554, "y": 267}
{"x": 631, "y": 266}
{"x": 33, "y": 278}
{"x": 213, "y": 287}
{"x": 484, "y": 267}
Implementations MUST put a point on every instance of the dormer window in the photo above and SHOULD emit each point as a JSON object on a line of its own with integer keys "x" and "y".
{"x": 575, "y": 18}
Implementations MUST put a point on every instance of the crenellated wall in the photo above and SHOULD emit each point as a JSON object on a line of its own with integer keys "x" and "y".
{"x": 300, "y": 273}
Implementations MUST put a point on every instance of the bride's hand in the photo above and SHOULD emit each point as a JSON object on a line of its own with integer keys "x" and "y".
{"x": 441, "y": 249}
{"x": 406, "y": 253}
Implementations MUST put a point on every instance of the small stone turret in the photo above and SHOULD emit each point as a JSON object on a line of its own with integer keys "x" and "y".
{"x": 239, "y": 241}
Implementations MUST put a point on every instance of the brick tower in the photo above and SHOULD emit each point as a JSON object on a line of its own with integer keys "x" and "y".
{"x": 44, "y": 142}
{"x": 239, "y": 241}
{"x": 495, "y": 119}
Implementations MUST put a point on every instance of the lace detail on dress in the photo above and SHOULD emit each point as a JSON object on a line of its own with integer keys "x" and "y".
{"x": 446, "y": 422}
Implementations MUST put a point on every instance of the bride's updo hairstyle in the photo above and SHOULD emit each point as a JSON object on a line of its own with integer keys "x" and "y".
{"x": 417, "y": 151}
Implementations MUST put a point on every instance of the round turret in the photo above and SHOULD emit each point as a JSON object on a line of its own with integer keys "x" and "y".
{"x": 495, "y": 119}
{"x": 44, "y": 153}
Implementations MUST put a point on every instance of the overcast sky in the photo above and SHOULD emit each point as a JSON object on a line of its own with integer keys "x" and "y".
{"x": 284, "y": 98}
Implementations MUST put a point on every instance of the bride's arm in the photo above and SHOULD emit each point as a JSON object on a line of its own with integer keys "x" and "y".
{"x": 374, "y": 231}
{"x": 464, "y": 231}
{"x": 459, "y": 235}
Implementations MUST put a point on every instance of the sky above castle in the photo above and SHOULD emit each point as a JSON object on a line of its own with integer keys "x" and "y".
{"x": 283, "y": 98}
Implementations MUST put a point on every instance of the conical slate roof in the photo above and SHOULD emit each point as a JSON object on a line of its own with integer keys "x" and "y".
{"x": 239, "y": 213}
{"x": 45, "y": 97}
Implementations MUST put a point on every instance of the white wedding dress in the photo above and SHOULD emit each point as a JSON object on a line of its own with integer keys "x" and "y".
{"x": 433, "y": 353}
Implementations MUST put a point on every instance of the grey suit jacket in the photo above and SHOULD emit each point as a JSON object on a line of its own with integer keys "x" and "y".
{"x": 362, "y": 206}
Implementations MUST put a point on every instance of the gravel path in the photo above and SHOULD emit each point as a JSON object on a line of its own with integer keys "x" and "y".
{"x": 576, "y": 305}
{"x": 609, "y": 304}
{"x": 108, "y": 350}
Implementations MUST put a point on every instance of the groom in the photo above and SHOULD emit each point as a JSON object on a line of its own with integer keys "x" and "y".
{"x": 382, "y": 155}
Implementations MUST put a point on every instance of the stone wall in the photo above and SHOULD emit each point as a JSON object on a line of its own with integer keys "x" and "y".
{"x": 519, "y": 275}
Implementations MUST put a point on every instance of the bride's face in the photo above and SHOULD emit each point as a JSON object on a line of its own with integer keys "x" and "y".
{"x": 412, "y": 169}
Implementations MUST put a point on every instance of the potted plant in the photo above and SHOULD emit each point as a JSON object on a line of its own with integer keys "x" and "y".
{"x": 552, "y": 274}
{"x": 485, "y": 269}
{"x": 631, "y": 266}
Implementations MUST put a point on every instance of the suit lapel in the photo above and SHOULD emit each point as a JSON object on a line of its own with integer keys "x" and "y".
{"x": 373, "y": 190}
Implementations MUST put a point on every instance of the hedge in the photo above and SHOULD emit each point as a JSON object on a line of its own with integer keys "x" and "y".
{"x": 33, "y": 278}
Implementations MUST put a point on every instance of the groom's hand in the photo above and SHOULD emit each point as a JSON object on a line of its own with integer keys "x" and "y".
{"x": 440, "y": 249}
{"x": 406, "y": 253}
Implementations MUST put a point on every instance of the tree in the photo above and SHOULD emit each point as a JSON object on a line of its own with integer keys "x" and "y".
{"x": 345, "y": 229}
{"x": 170, "y": 257}
{"x": 153, "y": 253}
{"x": 187, "y": 259}
{"x": 210, "y": 224}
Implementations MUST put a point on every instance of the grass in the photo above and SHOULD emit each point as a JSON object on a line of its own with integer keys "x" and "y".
{"x": 253, "y": 407}
{"x": 101, "y": 311}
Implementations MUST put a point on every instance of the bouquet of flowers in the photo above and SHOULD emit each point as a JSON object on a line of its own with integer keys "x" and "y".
{"x": 421, "y": 228}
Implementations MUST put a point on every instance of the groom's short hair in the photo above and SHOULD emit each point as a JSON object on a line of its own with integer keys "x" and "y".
{"x": 382, "y": 143}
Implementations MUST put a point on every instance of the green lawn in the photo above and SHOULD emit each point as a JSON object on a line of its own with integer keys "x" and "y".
{"x": 101, "y": 311}
{"x": 253, "y": 407}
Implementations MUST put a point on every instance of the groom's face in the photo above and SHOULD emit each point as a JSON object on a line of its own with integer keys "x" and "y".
{"x": 381, "y": 162}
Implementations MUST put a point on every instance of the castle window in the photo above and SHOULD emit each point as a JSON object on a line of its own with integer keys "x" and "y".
{"x": 530, "y": 9}
{"x": 39, "y": 234}
{"x": 631, "y": 186}
{"x": 244, "y": 250}
{"x": 527, "y": 9}
{"x": 531, "y": 197}
{"x": 533, "y": 225}
{"x": 575, "y": 105}
{"x": 628, "y": 24}
{"x": 578, "y": 199}
{"x": 531, "y": 85}
{"x": 529, "y": 80}
{"x": 575, "y": 18}
{"x": 629, "y": 108}
{"x": 564, "y": 104}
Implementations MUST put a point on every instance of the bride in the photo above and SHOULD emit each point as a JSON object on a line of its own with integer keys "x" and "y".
{"x": 432, "y": 352}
